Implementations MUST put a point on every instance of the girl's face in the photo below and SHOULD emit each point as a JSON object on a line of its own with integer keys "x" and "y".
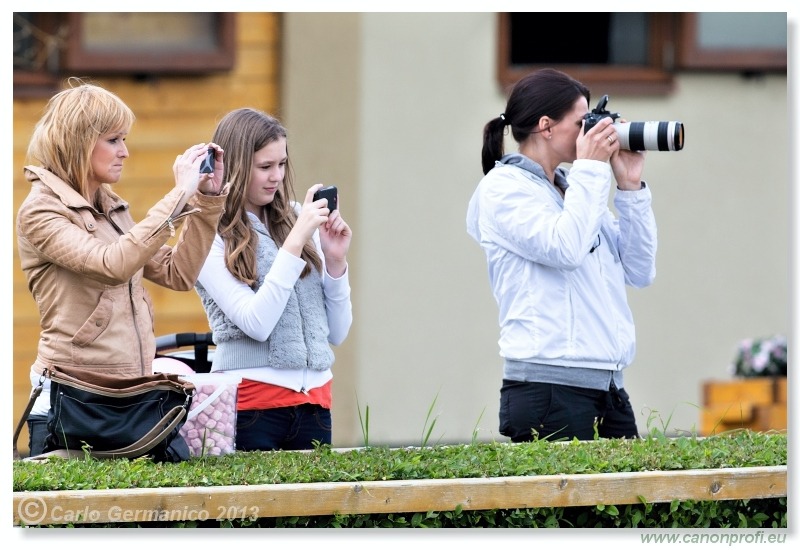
{"x": 266, "y": 175}
{"x": 106, "y": 160}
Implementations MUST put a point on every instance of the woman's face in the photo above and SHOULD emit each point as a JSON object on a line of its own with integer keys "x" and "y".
{"x": 106, "y": 160}
{"x": 566, "y": 132}
{"x": 266, "y": 175}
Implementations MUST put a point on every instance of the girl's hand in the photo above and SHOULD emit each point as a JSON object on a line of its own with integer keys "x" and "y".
{"x": 334, "y": 236}
{"x": 312, "y": 215}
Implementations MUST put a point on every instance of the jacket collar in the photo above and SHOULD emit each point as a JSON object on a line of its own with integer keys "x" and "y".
{"x": 69, "y": 196}
{"x": 521, "y": 161}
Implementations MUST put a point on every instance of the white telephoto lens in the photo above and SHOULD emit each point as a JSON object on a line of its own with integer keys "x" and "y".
{"x": 650, "y": 136}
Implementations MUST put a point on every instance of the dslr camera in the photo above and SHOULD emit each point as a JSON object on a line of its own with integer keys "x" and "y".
{"x": 639, "y": 136}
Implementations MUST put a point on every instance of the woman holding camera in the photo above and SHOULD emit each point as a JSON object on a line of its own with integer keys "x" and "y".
{"x": 559, "y": 261}
{"x": 83, "y": 254}
{"x": 276, "y": 290}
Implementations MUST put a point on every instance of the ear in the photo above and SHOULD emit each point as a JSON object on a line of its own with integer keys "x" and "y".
{"x": 545, "y": 123}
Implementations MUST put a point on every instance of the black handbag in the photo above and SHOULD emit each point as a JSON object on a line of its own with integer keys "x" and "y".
{"x": 112, "y": 417}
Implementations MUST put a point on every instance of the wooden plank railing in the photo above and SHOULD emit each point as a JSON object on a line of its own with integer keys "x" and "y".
{"x": 382, "y": 497}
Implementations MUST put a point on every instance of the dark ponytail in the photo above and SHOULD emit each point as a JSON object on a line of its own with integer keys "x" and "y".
{"x": 492, "y": 142}
{"x": 546, "y": 92}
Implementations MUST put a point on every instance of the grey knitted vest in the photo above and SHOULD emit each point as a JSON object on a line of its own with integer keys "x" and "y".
{"x": 299, "y": 340}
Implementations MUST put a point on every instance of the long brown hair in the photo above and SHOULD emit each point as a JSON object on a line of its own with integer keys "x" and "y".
{"x": 241, "y": 133}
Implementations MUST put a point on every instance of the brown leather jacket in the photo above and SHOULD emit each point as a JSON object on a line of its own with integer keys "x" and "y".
{"x": 85, "y": 270}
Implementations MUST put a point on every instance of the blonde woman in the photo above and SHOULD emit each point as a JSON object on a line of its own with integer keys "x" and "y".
{"x": 83, "y": 254}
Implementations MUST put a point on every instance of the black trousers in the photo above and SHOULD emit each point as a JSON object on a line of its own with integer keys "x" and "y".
{"x": 37, "y": 432}
{"x": 531, "y": 410}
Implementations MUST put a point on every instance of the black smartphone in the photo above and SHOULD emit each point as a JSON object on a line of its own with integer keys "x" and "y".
{"x": 330, "y": 193}
{"x": 208, "y": 163}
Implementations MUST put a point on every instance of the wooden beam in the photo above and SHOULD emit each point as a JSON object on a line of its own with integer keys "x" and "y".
{"x": 382, "y": 497}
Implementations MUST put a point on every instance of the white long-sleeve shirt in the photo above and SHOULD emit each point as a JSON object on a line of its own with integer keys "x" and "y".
{"x": 257, "y": 312}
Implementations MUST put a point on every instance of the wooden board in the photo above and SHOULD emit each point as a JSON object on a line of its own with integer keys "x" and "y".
{"x": 382, "y": 497}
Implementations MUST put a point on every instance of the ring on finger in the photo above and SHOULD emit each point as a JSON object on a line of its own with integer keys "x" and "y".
{"x": 610, "y": 139}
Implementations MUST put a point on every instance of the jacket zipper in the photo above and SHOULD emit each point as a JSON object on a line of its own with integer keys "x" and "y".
{"x": 601, "y": 269}
{"x": 169, "y": 222}
{"x": 133, "y": 302}
{"x": 136, "y": 326}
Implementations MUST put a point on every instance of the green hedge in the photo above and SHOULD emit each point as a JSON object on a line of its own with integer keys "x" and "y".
{"x": 477, "y": 460}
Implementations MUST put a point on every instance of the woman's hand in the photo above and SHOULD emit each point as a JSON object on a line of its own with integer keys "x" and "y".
{"x": 627, "y": 167}
{"x": 211, "y": 184}
{"x": 186, "y": 169}
{"x": 599, "y": 143}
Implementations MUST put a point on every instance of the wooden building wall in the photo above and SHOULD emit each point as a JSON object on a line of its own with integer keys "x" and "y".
{"x": 172, "y": 114}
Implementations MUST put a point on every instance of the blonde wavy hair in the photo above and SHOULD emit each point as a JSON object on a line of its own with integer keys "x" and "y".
{"x": 73, "y": 121}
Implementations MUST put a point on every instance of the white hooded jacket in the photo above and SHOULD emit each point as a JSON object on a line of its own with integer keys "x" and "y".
{"x": 558, "y": 267}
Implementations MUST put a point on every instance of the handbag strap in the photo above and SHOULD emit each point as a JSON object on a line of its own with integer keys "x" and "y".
{"x": 156, "y": 435}
{"x": 35, "y": 392}
{"x": 159, "y": 433}
{"x": 170, "y": 421}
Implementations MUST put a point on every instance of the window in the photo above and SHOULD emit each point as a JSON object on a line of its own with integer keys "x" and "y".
{"x": 149, "y": 42}
{"x": 734, "y": 41}
{"x": 49, "y": 46}
{"x": 38, "y": 41}
{"x": 612, "y": 52}
{"x": 638, "y": 53}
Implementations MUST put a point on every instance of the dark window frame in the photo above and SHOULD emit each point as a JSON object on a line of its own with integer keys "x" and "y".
{"x": 75, "y": 59}
{"x": 39, "y": 82}
{"x": 673, "y": 45}
{"x": 655, "y": 78}
{"x": 180, "y": 61}
{"x": 692, "y": 56}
